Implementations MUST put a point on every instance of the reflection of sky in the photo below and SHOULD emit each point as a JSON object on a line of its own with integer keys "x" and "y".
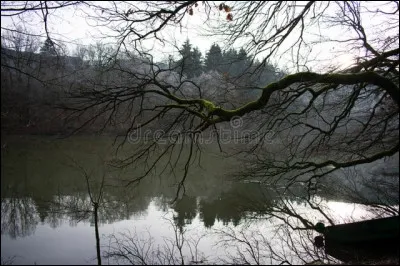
{"x": 64, "y": 245}
{"x": 76, "y": 244}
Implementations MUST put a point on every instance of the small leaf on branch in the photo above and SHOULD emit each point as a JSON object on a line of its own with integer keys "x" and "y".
{"x": 229, "y": 17}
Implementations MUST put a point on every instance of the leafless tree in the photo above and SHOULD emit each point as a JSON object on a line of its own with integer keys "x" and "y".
{"x": 334, "y": 97}
{"x": 278, "y": 246}
{"x": 135, "y": 248}
{"x": 8, "y": 260}
{"x": 325, "y": 117}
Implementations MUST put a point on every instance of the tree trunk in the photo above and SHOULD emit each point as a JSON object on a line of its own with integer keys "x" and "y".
{"x": 96, "y": 227}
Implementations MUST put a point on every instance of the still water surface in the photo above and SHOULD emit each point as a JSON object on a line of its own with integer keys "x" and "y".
{"x": 46, "y": 211}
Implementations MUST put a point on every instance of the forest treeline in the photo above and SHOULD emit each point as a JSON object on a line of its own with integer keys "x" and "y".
{"x": 40, "y": 82}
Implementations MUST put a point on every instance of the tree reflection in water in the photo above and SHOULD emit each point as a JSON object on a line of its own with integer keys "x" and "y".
{"x": 50, "y": 193}
{"x": 18, "y": 217}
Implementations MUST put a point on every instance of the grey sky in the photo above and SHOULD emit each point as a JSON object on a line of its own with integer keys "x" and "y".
{"x": 72, "y": 25}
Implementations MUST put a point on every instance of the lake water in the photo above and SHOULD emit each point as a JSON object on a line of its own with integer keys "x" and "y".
{"x": 47, "y": 213}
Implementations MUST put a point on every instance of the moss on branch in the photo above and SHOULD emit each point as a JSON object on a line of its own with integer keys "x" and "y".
{"x": 336, "y": 79}
{"x": 221, "y": 114}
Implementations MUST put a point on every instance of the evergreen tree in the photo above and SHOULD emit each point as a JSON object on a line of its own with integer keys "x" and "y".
{"x": 48, "y": 48}
{"x": 190, "y": 63}
{"x": 243, "y": 60}
{"x": 214, "y": 59}
{"x": 197, "y": 67}
{"x": 185, "y": 51}
{"x": 229, "y": 62}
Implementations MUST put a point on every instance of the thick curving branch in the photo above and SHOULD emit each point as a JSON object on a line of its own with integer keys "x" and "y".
{"x": 334, "y": 79}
